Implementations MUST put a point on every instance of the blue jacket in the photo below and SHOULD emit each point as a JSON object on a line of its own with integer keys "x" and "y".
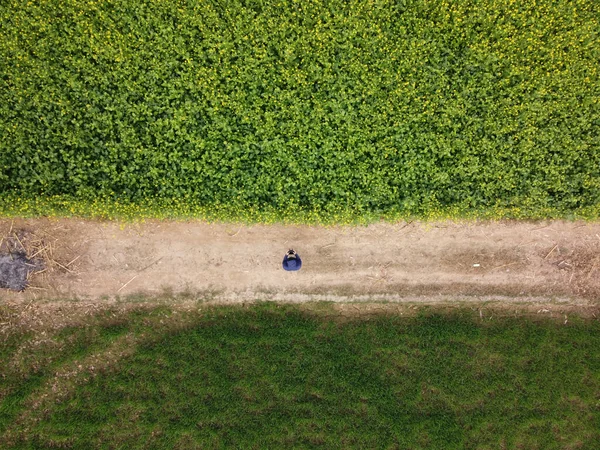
{"x": 292, "y": 263}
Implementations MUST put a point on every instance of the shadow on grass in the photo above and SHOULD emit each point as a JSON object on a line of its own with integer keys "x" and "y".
{"x": 273, "y": 375}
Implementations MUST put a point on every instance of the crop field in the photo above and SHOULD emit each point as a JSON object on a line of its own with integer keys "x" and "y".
{"x": 271, "y": 376}
{"x": 300, "y": 110}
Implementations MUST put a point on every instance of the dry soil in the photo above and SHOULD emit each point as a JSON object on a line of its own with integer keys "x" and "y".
{"x": 503, "y": 262}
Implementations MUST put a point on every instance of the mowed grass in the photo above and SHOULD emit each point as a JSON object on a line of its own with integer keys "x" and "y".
{"x": 270, "y": 376}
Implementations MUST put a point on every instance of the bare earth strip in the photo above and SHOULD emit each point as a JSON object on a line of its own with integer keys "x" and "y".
{"x": 502, "y": 262}
{"x": 496, "y": 268}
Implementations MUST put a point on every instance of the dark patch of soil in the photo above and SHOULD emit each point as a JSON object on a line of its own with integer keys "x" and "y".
{"x": 15, "y": 269}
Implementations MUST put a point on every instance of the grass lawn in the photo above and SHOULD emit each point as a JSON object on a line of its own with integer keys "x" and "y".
{"x": 274, "y": 376}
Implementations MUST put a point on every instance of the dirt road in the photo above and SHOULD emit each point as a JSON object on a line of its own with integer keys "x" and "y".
{"x": 507, "y": 261}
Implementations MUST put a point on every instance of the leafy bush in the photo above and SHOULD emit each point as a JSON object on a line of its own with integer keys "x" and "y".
{"x": 328, "y": 108}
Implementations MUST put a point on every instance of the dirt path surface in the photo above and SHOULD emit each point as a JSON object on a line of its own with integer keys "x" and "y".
{"x": 502, "y": 261}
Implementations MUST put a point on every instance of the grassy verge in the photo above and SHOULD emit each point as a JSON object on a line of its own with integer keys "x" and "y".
{"x": 174, "y": 209}
{"x": 275, "y": 376}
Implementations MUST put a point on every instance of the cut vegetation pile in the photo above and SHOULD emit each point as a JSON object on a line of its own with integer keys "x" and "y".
{"x": 270, "y": 376}
{"x": 337, "y": 110}
{"x": 25, "y": 252}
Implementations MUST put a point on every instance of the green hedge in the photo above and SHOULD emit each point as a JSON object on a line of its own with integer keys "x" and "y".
{"x": 330, "y": 108}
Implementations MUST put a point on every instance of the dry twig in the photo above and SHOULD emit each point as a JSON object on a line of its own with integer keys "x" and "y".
{"x": 67, "y": 265}
{"x": 60, "y": 265}
{"x": 550, "y": 252}
{"x": 20, "y": 243}
{"x": 235, "y": 234}
{"x": 591, "y": 270}
{"x": 123, "y": 287}
{"x": 505, "y": 265}
{"x": 151, "y": 264}
{"x": 37, "y": 253}
{"x": 37, "y": 288}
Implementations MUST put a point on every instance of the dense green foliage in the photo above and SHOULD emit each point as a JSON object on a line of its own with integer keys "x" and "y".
{"x": 275, "y": 377}
{"x": 330, "y": 107}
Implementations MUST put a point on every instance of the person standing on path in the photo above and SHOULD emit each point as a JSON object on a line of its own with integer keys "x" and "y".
{"x": 292, "y": 261}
